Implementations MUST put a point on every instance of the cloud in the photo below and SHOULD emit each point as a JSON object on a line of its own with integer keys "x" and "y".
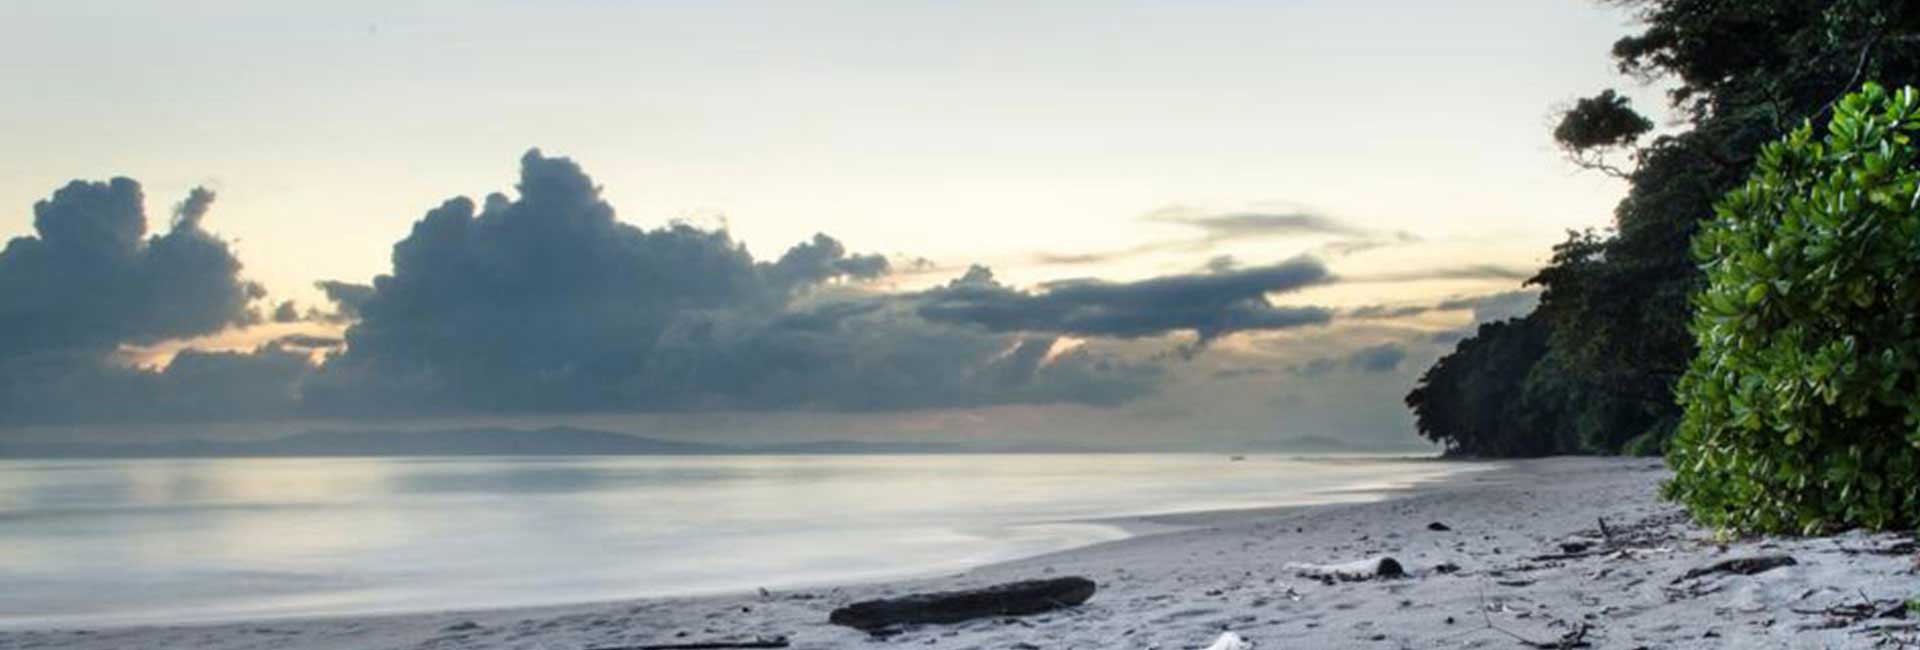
{"x": 1217, "y": 228}
{"x": 286, "y": 312}
{"x": 1496, "y": 306}
{"x": 547, "y": 303}
{"x": 309, "y": 341}
{"x": 93, "y": 279}
{"x": 1209, "y": 305}
{"x": 1245, "y": 225}
{"x": 347, "y": 297}
{"x": 1485, "y": 308}
{"x": 1313, "y": 368}
{"x": 1385, "y": 357}
{"x": 823, "y": 259}
{"x": 1468, "y": 272}
{"x": 1240, "y": 372}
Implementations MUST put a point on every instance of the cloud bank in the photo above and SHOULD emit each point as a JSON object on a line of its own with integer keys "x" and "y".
{"x": 547, "y": 303}
{"x": 1209, "y": 305}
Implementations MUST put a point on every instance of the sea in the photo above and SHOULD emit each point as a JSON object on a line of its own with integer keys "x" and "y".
{"x": 119, "y": 542}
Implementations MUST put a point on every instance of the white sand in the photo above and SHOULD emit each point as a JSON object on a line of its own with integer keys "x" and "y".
{"x": 1224, "y": 571}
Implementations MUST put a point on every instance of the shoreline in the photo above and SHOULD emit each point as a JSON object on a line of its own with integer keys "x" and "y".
{"x": 1194, "y": 575}
{"x": 1064, "y": 534}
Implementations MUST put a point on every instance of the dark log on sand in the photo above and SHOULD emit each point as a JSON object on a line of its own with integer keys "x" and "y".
{"x": 775, "y": 642}
{"x": 1011, "y": 599}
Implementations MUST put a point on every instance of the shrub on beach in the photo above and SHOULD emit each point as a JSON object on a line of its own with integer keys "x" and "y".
{"x": 1802, "y": 407}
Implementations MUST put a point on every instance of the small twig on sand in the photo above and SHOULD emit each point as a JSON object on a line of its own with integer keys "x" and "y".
{"x": 1575, "y": 638}
{"x": 775, "y": 642}
{"x": 1606, "y": 533}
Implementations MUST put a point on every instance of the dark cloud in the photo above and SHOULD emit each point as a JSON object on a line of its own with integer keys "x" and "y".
{"x": 821, "y": 260}
{"x": 1389, "y": 311}
{"x": 1385, "y": 357}
{"x": 546, "y": 302}
{"x": 347, "y": 297}
{"x": 92, "y": 278}
{"x": 286, "y": 312}
{"x": 1209, "y": 305}
{"x": 1485, "y": 308}
{"x": 1240, "y": 372}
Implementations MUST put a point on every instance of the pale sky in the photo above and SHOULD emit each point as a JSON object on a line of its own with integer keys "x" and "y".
{"x": 958, "y": 132}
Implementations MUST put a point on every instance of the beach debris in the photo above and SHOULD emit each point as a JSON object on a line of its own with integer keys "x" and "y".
{"x": 1009, "y": 599}
{"x": 1438, "y": 527}
{"x": 1382, "y": 567}
{"x": 1231, "y": 641}
{"x": 762, "y": 642}
{"x": 1745, "y": 566}
{"x": 1904, "y": 547}
{"x": 1575, "y": 637}
{"x": 1845, "y": 614}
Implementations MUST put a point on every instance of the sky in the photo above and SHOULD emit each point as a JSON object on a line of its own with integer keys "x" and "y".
{"x": 1209, "y": 224}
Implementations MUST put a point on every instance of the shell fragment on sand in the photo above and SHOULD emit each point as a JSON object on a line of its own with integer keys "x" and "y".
{"x": 1230, "y": 641}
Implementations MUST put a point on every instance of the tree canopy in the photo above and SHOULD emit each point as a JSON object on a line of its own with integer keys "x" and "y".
{"x": 1615, "y": 305}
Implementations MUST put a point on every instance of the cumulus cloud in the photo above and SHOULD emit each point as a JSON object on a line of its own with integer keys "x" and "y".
{"x": 92, "y": 278}
{"x": 546, "y": 302}
{"x": 1209, "y": 305}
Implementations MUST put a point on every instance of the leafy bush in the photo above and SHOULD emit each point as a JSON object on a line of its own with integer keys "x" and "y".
{"x": 1802, "y": 407}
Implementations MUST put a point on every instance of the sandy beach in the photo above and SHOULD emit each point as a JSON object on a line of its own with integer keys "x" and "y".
{"x": 1503, "y": 568}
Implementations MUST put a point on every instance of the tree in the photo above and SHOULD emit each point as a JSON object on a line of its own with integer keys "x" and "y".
{"x": 1802, "y": 407}
{"x": 1614, "y": 305}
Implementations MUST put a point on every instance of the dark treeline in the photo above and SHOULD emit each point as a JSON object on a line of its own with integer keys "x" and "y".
{"x": 1593, "y": 368}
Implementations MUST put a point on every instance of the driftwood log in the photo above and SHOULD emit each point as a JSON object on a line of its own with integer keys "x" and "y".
{"x": 775, "y": 642}
{"x": 1010, "y": 599}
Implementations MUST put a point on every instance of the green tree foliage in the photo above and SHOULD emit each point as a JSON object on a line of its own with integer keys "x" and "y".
{"x": 1466, "y": 401}
{"x": 1614, "y": 305}
{"x": 1802, "y": 408}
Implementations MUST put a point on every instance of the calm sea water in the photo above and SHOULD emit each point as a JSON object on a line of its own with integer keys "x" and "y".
{"x": 129, "y": 541}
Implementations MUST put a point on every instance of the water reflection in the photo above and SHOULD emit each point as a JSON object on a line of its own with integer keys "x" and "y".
{"x": 95, "y": 542}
